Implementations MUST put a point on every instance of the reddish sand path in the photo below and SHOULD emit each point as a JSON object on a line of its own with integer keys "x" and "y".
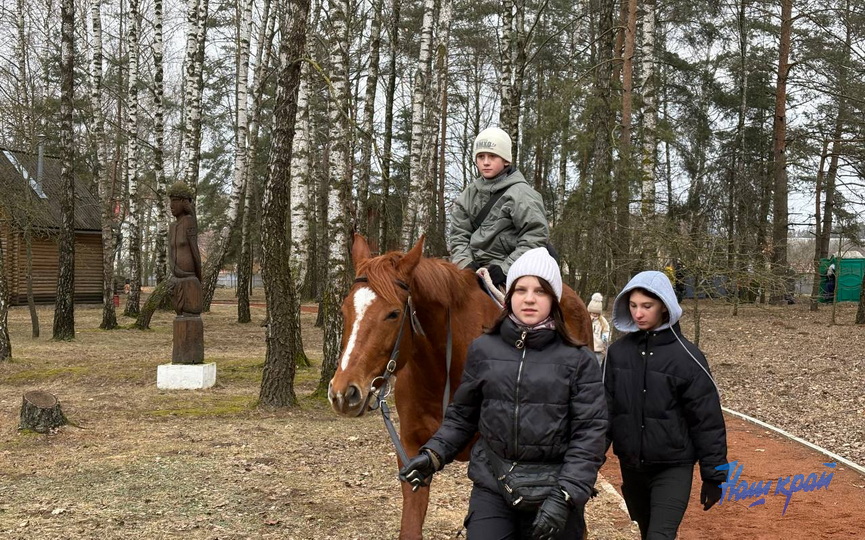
{"x": 834, "y": 512}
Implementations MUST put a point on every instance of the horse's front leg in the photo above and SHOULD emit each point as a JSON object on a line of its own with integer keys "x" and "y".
{"x": 414, "y": 507}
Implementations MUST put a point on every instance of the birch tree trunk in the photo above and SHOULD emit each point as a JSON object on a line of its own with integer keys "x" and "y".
{"x": 384, "y": 243}
{"x": 159, "y": 143}
{"x": 416, "y": 216}
{"x": 103, "y": 182}
{"x": 241, "y": 153}
{"x": 263, "y": 62}
{"x": 338, "y": 193}
{"x": 507, "y": 80}
{"x": 64, "y": 309}
{"x": 5, "y": 342}
{"x": 133, "y": 300}
{"x": 27, "y": 129}
{"x": 196, "y": 16}
{"x": 280, "y": 365}
{"x": 367, "y": 127}
{"x": 301, "y": 177}
{"x": 650, "y": 113}
{"x": 436, "y": 138}
{"x": 779, "y": 154}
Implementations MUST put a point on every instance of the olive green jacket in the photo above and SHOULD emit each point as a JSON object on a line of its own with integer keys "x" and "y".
{"x": 516, "y": 224}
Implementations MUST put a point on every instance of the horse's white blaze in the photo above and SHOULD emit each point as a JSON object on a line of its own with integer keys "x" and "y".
{"x": 363, "y": 297}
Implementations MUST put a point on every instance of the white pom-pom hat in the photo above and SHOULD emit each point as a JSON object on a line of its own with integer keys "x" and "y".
{"x": 596, "y": 304}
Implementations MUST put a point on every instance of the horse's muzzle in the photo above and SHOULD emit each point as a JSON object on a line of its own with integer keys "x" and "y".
{"x": 352, "y": 402}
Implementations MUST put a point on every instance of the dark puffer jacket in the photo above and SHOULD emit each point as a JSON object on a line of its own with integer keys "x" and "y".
{"x": 664, "y": 408}
{"x": 543, "y": 403}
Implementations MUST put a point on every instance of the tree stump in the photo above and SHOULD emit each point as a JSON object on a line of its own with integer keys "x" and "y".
{"x": 41, "y": 412}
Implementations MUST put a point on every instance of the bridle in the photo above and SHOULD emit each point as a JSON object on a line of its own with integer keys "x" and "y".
{"x": 383, "y": 390}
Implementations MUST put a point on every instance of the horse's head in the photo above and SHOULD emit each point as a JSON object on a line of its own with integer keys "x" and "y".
{"x": 374, "y": 315}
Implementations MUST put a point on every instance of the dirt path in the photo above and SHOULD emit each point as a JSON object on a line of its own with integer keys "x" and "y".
{"x": 837, "y": 511}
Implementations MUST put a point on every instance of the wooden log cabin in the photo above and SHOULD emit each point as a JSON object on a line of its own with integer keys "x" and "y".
{"x": 25, "y": 197}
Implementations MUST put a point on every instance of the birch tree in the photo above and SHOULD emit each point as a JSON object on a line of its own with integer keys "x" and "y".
{"x": 368, "y": 116}
{"x": 5, "y": 342}
{"x": 416, "y": 216}
{"x": 64, "y": 309}
{"x": 339, "y": 185}
{"x": 159, "y": 141}
{"x": 300, "y": 174}
{"x": 280, "y": 365}
{"x": 28, "y": 139}
{"x": 436, "y": 129}
{"x": 196, "y": 18}
{"x": 387, "y": 145}
{"x": 100, "y": 171}
{"x": 241, "y": 154}
{"x": 650, "y": 112}
{"x": 133, "y": 300}
{"x": 263, "y": 63}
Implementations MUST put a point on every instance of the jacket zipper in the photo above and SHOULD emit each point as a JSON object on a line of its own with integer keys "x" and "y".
{"x": 643, "y": 403}
{"x": 521, "y": 344}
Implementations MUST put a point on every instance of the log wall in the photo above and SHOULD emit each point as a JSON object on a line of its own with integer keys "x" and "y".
{"x": 88, "y": 266}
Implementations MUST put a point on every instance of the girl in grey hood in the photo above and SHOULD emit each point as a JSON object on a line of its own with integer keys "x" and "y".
{"x": 664, "y": 409}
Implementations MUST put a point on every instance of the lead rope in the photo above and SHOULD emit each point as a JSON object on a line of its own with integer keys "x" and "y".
{"x": 383, "y": 392}
{"x": 446, "y": 397}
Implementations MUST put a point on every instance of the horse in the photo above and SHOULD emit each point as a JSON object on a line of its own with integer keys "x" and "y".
{"x": 438, "y": 299}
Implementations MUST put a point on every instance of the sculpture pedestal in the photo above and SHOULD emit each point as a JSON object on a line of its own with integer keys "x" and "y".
{"x": 188, "y": 340}
{"x": 185, "y": 377}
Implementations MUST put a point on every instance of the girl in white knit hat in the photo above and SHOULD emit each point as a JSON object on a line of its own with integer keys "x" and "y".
{"x": 499, "y": 216}
{"x": 536, "y": 398}
{"x": 600, "y": 326}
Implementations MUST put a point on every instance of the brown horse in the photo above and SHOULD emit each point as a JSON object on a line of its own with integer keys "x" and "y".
{"x": 386, "y": 288}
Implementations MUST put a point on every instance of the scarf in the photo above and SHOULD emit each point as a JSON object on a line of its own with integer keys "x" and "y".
{"x": 546, "y": 324}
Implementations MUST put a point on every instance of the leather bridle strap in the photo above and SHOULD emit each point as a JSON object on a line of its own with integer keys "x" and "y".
{"x": 383, "y": 390}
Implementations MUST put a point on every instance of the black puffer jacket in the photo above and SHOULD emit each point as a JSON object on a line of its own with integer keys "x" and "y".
{"x": 543, "y": 403}
{"x": 664, "y": 408}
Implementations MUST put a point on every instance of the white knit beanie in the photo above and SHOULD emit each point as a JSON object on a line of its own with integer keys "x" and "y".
{"x": 494, "y": 141}
{"x": 596, "y": 304}
{"x": 536, "y": 262}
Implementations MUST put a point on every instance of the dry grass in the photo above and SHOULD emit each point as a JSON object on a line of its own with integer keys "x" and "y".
{"x": 147, "y": 463}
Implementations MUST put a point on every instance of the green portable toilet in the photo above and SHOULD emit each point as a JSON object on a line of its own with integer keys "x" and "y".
{"x": 848, "y": 282}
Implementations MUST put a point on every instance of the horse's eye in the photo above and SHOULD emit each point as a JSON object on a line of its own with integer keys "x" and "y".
{"x": 392, "y": 315}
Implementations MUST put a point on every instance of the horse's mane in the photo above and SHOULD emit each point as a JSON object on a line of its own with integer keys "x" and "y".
{"x": 434, "y": 281}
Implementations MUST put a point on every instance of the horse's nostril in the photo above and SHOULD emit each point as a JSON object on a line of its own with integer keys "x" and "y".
{"x": 353, "y": 395}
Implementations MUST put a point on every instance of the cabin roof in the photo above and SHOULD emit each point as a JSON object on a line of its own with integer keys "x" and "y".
{"x": 18, "y": 175}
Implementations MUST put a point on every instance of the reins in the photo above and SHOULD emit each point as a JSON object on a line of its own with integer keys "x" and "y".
{"x": 384, "y": 389}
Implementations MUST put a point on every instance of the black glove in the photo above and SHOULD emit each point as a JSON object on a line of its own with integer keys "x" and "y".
{"x": 419, "y": 470}
{"x": 474, "y": 266}
{"x": 496, "y": 274}
{"x": 710, "y": 493}
{"x": 552, "y": 516}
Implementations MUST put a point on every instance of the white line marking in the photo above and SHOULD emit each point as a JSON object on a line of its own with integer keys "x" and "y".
{"x": 363, "y": 297}
{"x": 859, "y": 468}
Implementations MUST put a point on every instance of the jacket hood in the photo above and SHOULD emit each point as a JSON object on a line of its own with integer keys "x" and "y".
{"x": 655, "y": 282}
{"x": 508, "y": 177}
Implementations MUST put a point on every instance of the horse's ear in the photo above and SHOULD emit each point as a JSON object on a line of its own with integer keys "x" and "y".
{"x": 359, "y": 250}
{"x": 409, "y": 261}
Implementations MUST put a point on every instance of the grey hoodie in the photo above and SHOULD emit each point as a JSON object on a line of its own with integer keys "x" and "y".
{"x": 655, "y": 282}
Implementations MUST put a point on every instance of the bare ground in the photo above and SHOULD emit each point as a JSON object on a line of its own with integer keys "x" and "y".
{"x": 146, "y": 463}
